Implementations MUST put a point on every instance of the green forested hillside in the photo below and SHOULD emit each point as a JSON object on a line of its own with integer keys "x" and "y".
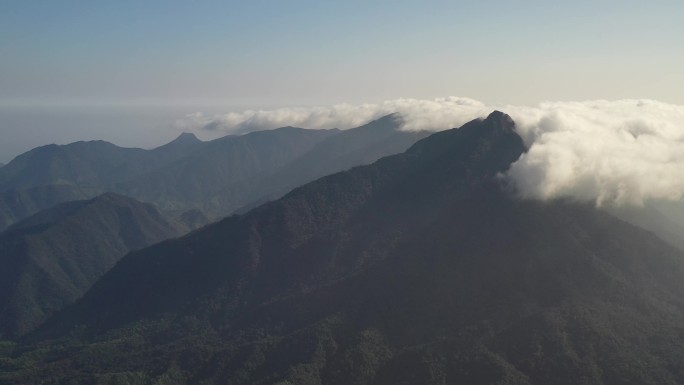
{"x": 51, "y": 258}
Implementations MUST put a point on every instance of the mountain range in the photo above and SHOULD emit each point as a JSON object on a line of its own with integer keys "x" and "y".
{"x": 217, "y": 177}
{"x": 422, "y": 268}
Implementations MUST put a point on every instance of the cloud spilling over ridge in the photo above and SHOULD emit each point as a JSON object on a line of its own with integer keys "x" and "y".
{"x": 609, "y": 152}
{"x": 434, "y": 115}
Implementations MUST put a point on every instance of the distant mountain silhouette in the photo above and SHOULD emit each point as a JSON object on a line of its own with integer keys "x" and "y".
{"x": 51, "y": 258}
{"x": 231, "y": 165}
{"x": 148, "y": 161}
{"x": 87, "y": 165}
{"x": 217, "y": 177}
{"x": 90, "y": 165}
{"x": 421, "y": 268}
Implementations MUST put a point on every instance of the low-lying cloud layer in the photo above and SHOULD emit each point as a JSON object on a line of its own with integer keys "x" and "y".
{"x": 434, "y": 115}
{"x": 609, "y": 152}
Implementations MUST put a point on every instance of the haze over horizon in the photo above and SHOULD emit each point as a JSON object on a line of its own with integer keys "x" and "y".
{"x": 139, "y": 74}
{"x": 378, "y": 193}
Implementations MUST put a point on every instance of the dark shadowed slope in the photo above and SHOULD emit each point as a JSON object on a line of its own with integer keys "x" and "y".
{"x": 433, "y": 172}
{"x": 418, "y": 269}
{"x": 51, "y": 258}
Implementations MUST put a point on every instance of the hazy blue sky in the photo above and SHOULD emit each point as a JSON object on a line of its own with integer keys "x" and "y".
{"x": 317, "y": 52}
{"x": 186, "y": 56}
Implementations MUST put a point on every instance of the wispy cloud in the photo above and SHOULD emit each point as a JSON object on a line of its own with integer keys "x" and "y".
{"x": 609, "y": 152}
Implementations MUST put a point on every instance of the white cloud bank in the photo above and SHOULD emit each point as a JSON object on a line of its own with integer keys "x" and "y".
{"x": 609, "y": 152}
{"x": 612, "y": 152}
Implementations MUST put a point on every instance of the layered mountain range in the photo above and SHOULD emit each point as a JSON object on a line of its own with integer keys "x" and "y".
{"x": 422, "y": 268}
{"x": 62, "y": 257}
{"x": 216, "y": 177}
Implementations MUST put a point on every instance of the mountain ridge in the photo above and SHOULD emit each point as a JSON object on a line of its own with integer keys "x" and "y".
{"x": 217, "y": 177}
{"x": 420, "y": 268}
{"x": 299, "y": 198}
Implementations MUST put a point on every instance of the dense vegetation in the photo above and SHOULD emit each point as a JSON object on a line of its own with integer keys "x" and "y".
{"x": 51, "y": 258}
{"x": 419, "y": 269}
